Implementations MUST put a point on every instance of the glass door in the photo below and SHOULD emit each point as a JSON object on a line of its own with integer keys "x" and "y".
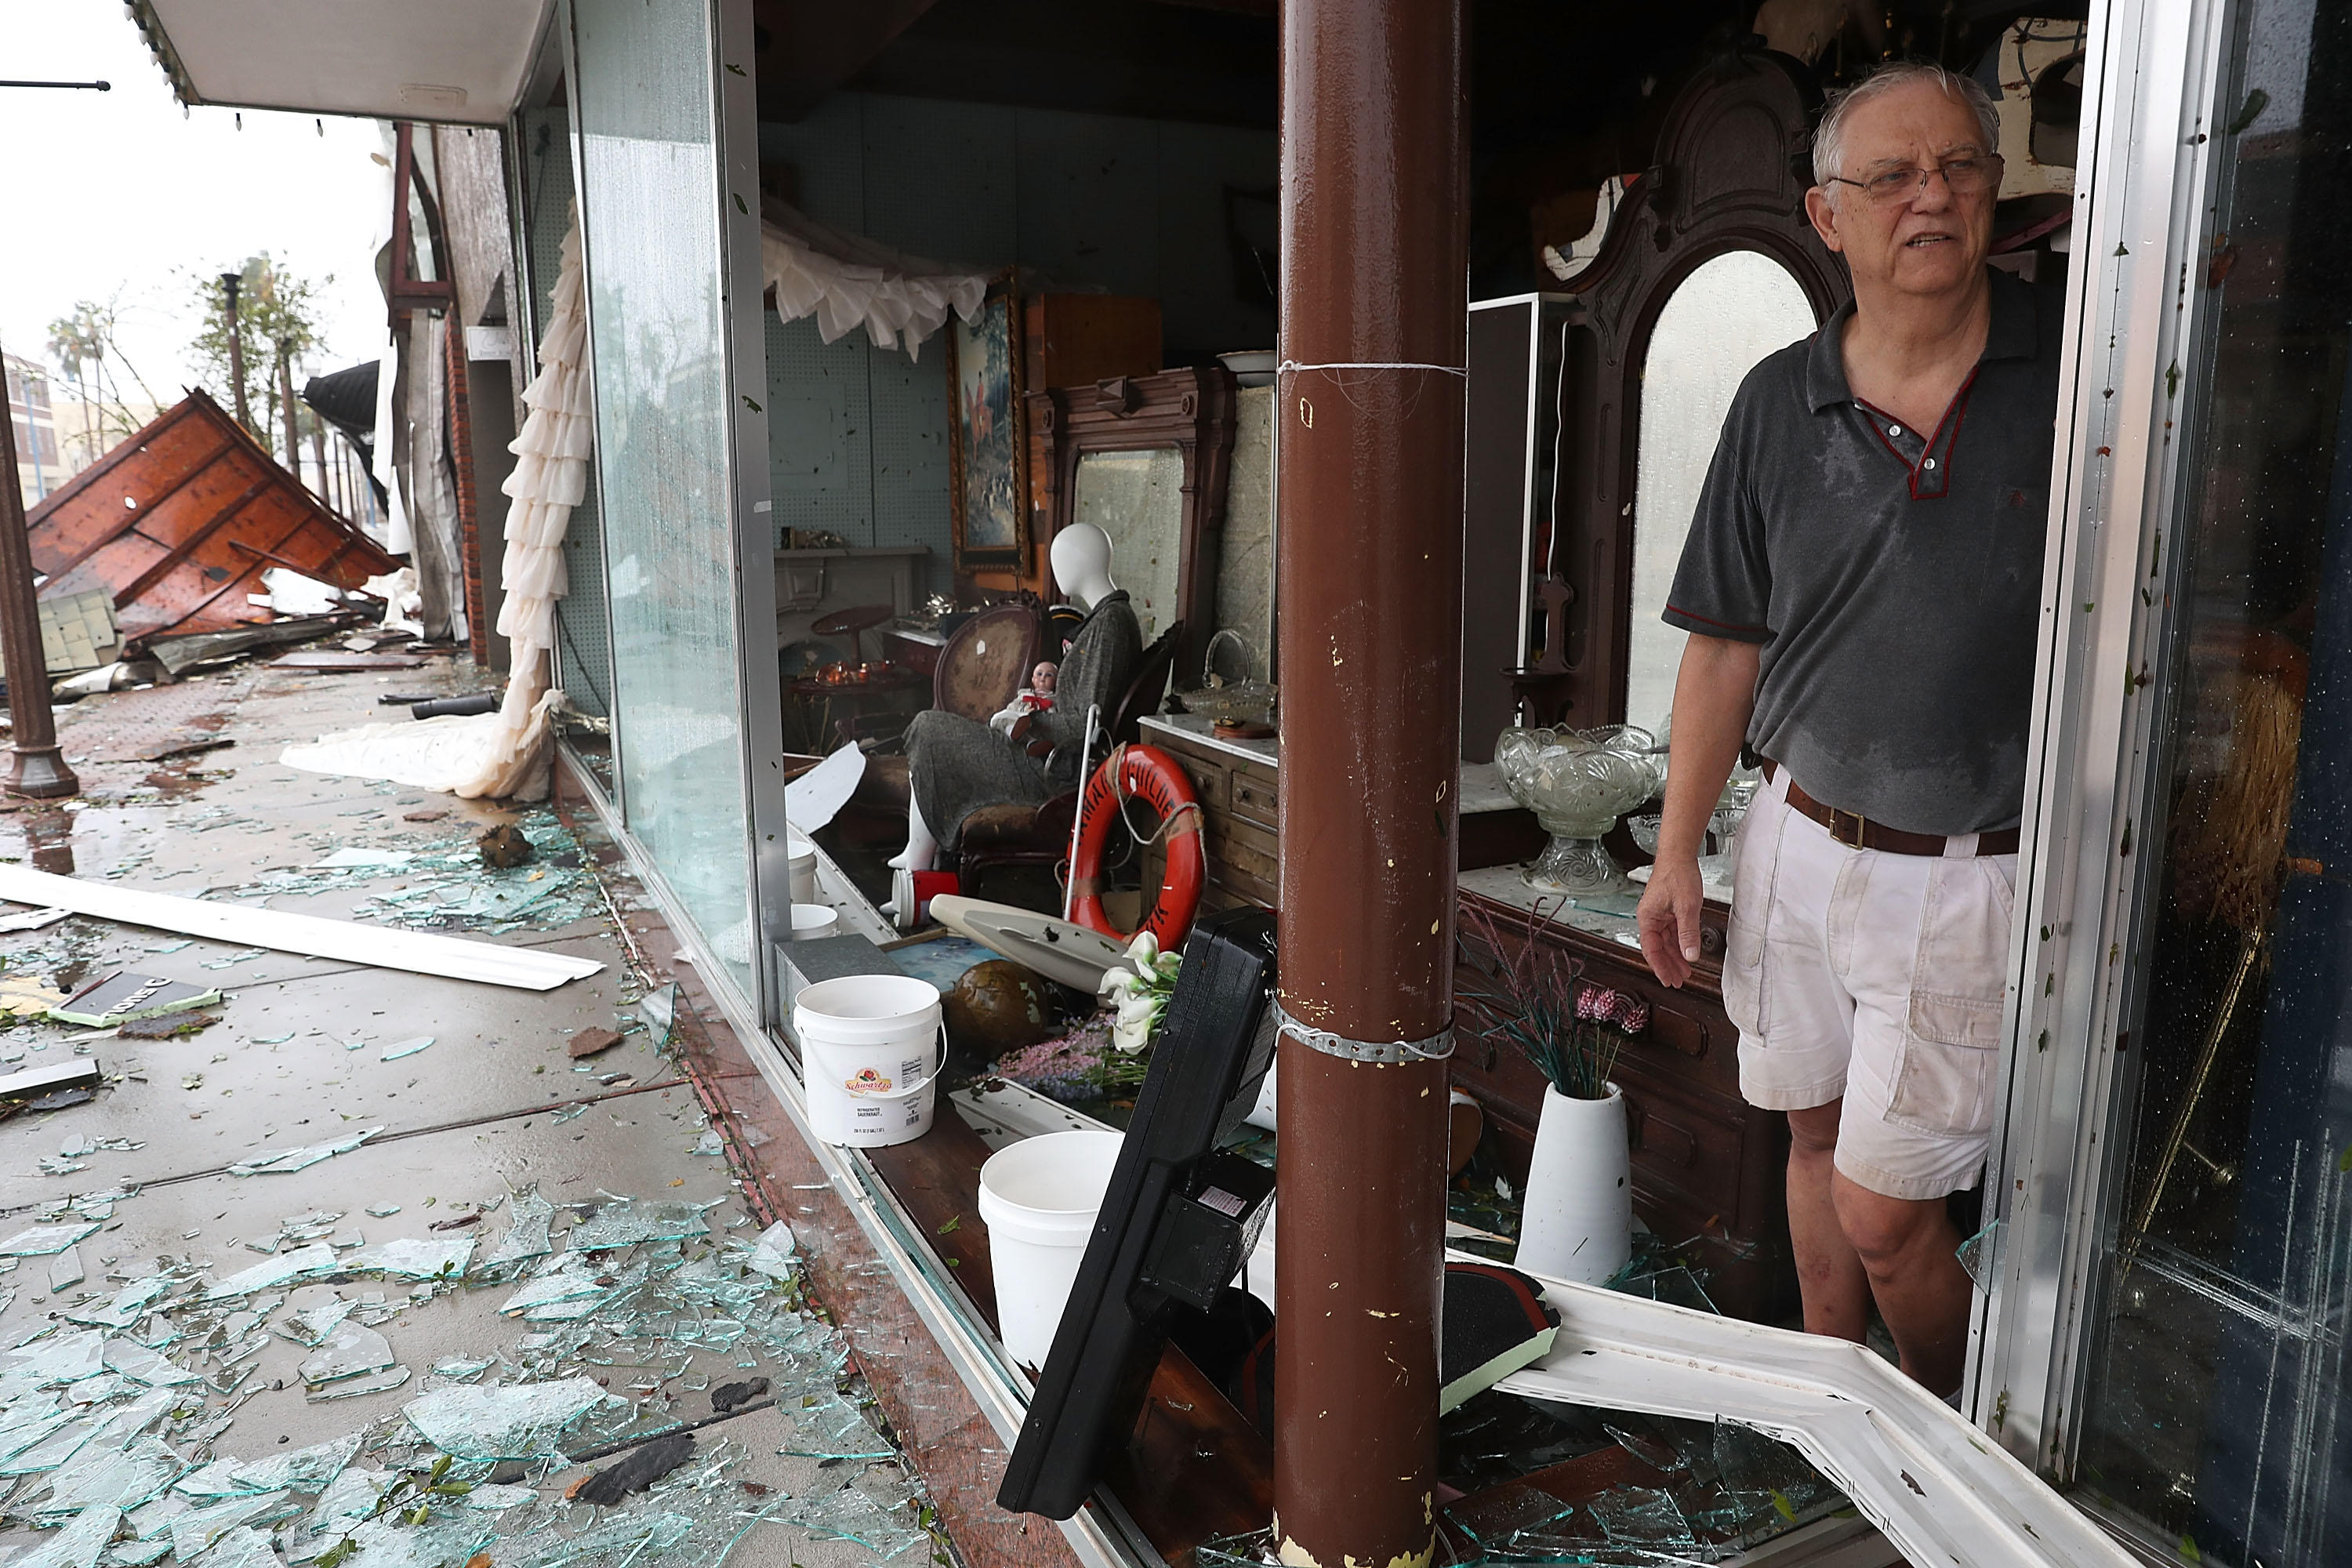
{"x": 2220, "y": 1289}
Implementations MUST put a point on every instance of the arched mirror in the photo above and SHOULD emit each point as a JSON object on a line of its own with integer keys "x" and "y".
{"x": 1138, "y": 498}
{"x": 1718, "y": 322}
{"x": 1708, "y": 264}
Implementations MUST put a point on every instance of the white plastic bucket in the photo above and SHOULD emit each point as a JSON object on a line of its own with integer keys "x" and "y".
{"x": 1039, "y": 1198}
{"x": 811, "y": 921}
{"x": 871, "y": 1047}
{"x": 803, "y": 870}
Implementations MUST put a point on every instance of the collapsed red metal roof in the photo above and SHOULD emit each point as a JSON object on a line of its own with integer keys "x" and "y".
{"x": 179, "y": 522}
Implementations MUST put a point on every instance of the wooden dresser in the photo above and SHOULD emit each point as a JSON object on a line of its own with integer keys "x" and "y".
{"x": 1707, "y": 1167}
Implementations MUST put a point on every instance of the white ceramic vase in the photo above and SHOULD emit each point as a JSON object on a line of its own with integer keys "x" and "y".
{"x": 1577, "y": 1222}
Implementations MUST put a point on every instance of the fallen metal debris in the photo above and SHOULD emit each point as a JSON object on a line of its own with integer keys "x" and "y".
{"x": 453, "y": 957}
{"x": 80, "y": 1073}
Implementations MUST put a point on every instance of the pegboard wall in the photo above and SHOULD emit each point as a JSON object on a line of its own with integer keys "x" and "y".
{"x": 857, "y": 439}
{"x": 584, "y": 654}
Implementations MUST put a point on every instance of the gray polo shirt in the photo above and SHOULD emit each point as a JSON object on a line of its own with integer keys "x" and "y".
{"x": 1893, "y": 575}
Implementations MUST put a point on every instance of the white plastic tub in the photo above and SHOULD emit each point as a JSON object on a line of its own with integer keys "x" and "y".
{"x": 1039, "y": 1198}
{"x": 871, "y": 1045}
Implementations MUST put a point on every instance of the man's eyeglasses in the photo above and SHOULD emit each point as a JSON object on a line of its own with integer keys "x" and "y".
{"x": 1966, "y": 177}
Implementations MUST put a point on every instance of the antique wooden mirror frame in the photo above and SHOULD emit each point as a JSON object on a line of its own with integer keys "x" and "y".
{"x": 1735, "y": 159}
{"x": 1191, "y": 412}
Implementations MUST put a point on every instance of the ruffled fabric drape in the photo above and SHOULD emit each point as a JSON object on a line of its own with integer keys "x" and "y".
{"x": 507, "y": 753}
{"x": 847, "y": 281}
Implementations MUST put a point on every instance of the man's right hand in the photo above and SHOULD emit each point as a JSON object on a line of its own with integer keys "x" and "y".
{"x": 1668, "y": 918}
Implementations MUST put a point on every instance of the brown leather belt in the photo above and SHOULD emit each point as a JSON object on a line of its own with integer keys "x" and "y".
{"x": 1858, "y": 832}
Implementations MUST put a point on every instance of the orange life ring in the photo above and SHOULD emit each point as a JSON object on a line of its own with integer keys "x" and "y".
{"x": 1150, "y": 775}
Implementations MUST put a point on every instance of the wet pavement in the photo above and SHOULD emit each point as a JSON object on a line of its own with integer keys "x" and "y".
{"x": 515, "y": 1269}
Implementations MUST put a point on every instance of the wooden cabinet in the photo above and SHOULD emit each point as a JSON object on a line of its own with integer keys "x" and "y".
{"x": 1076, "y": 339}
{"x": 1707, "y": 1166}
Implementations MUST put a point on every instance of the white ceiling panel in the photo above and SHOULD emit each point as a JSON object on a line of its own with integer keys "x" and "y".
{"x": 453, "y": 60}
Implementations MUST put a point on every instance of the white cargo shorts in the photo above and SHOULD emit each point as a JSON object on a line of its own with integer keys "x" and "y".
{"x": 1877, "y": 977}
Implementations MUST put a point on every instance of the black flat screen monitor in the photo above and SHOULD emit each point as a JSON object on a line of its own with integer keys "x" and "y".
{"x": 1177, "y": 1223}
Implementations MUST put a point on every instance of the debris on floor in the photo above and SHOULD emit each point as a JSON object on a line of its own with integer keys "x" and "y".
{"x": 113, "y": 1414}
{"x": 592, "y": 1042}
{"x": 504, "y": 846}
{"x": 123, "y": 996}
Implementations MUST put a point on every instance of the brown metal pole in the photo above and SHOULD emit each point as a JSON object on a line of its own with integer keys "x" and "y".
{"x": 34, "y": 766}
{"x": 1374, "y": 261}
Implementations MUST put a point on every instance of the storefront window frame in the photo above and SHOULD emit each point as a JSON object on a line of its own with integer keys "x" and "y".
{"x": 734, "y": 194}
{"x": 2056, "y": 1177}
{"x": 557, "y": 66}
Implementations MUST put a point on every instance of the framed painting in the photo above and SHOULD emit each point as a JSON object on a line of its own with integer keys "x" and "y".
{"x": 987, "y": 485}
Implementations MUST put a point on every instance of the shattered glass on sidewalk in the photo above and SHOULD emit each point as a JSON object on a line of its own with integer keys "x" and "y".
{"x": 107, "y": 1432}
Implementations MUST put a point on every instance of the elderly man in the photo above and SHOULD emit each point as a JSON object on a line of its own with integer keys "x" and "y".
{"x": 1861, "y": 585}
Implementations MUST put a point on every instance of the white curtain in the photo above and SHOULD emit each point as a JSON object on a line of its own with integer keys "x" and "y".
{"x": 845, "y": 281}
{"x": 506, "y": 752}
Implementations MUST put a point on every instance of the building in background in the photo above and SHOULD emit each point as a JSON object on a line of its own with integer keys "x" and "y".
{"x": 29, "y": 411}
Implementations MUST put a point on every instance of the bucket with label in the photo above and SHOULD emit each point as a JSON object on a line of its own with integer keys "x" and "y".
{"x": 1039, "y": 1198}
{"x": 871, "y": 1049}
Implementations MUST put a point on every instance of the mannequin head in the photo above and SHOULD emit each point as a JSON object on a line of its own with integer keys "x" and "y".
{"x": 1081, "y": 557}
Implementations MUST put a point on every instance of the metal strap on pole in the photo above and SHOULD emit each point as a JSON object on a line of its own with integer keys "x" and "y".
{"x": 1381, "y": 1053}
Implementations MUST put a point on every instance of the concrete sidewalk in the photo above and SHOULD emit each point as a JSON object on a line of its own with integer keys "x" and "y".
{"x": 657, "y": 1304}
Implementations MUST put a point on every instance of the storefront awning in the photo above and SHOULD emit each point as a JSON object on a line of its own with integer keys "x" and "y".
{"x": 461, "y": 60}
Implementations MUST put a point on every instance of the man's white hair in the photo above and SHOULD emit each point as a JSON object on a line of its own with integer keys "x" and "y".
{"x": 1828, "y": 137}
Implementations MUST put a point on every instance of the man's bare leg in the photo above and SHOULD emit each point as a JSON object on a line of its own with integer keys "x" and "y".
{"x": 1829, "y": 1271}
{"x": 1910, "y": 1250}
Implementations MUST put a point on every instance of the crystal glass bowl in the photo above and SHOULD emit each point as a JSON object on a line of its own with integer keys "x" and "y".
{"x": 1579, "y": 783}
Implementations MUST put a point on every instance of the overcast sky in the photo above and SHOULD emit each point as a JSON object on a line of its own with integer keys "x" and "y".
{"x": 110, "y": 196}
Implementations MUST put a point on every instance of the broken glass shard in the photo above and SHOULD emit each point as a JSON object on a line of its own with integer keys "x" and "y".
{"x": 65, "y": 1271}
{"x": 313, "y": 1324}
{"x": 96, "y": 1390}
{"x": 499, "y": 1498}
{"x": 850, "y": 1515}
{"x": 399, "y": 1048}
{"x": 1493, "y": 1518}
{"x": 283, "y": 1269}
{"x": 462, "y": 1369}
{"x": 41, "y": 1240}
{"x": 660, "y": 1008}
{"x": 284, "y": 1162}
{"x": 350, "y": 1495}
{"x": 1981, "y": 1256}
{"x": 830, "y": 1427}
{"x": 527, "y": 1225}
{"x": 440, "y": 1544}
{"x": 503, "y": 1423}
{"x": 197, "y": 1529}
{"x": 1644, "y": 1518}
{"x": 127, "y": 1306}
{"x": 630, "y": 1539}
{"x": 625, "y": 1223}
{"x": 62, "y": 1361}
{"x": 383, "y": 1211}
{"x": 572, "y": 1278}
{"x": 243, "y": 1547}
{"x": 139, "y": 1553}
{"x": 135, "y": 1361}
{"x": 353, "y": 1387}
{"x": 349, "y": 1349}
{"x": 101, "y": 1476}
{"x": 774, "y": 1253}
{"x": 77, "y": 1544}
{"x": 416, "y": 1257}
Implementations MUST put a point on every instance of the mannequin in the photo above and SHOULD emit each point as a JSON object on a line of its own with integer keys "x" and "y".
{"x": 956, "y": 765}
